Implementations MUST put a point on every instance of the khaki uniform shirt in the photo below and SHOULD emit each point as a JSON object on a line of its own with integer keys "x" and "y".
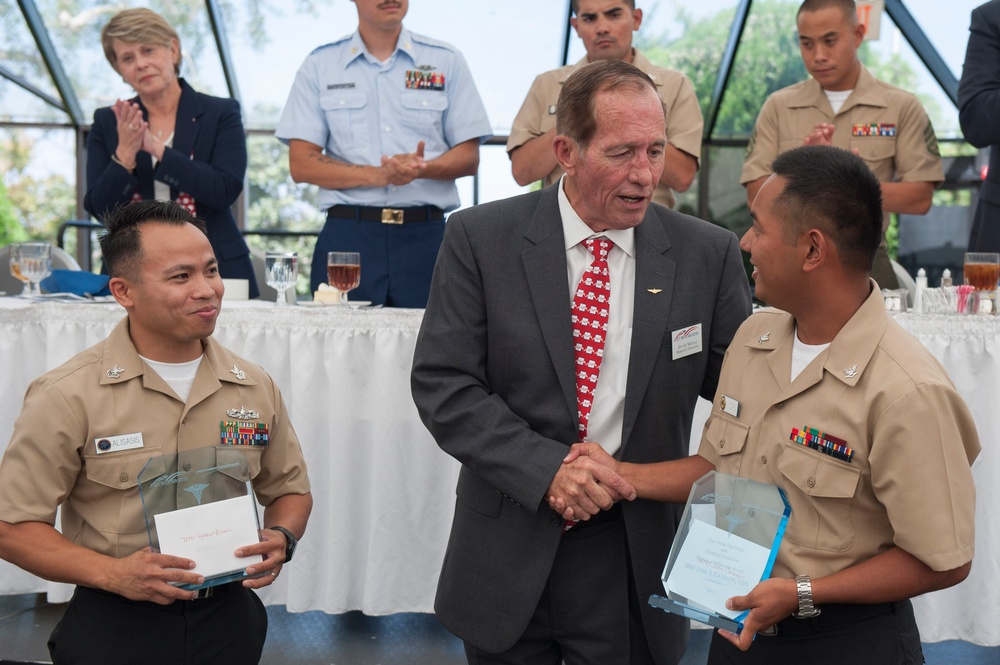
{"x": 53, "y": 456}
{"x": 684, "y": 121}
{"x": 876, "y": 387}
{"x": 885, "y": 124}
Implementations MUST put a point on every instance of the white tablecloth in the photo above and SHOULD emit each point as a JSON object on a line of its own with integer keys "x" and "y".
{"x": 968, "y": 347}
{"x": 384, "y": 492}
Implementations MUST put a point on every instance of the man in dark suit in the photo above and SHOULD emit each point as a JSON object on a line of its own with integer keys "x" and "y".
{"x": 978, "y": 100}
{"x": 495, "y": 380}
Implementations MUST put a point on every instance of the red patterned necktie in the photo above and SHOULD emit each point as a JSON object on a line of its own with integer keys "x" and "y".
{"x": 590, "y": 327}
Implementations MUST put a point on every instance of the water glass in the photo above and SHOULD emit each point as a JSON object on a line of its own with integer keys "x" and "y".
{"x": 281, "y": 269}
{"x": 15, "y": 269}
{"x": 34, "y": 263}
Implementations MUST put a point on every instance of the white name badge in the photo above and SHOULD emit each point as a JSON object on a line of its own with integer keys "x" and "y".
{"x": 686, "y": 341}
{"x": 730, "y": 406}
{"x": 111, "y": 444}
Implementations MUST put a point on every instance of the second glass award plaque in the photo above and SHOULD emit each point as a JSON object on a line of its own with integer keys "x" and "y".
{"x": 726, "y": 543}
{"x": 199, "y": 504}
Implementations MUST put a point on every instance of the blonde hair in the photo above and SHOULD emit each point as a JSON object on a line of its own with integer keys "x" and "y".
{"x": 138, "y": 26}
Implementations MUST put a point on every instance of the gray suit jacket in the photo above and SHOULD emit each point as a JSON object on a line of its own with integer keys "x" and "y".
{"x": 493, "y": 380}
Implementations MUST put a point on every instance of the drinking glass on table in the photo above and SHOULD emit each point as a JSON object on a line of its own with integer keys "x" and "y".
{"x": 35, "y": 263}
{"x": 343, "y": 270}
{"x": 281, "y": 269}
{"x": 15, "y": 268}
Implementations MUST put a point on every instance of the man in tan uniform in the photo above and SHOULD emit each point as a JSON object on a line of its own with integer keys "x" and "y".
{"x": 843, "y": 105}
{"x": 888, "y": 513}
{"x": 158, "y": 385}
{"x": 606, "y": 27}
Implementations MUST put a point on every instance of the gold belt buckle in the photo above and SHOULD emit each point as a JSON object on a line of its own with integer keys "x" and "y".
{"x": 392, "y": 216}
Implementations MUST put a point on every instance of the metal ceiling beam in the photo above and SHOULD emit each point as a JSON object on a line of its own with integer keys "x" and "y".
{"x": 726, "y": 65}
{"x": 567, "y": 33}
{"x": 222, "y": 41}
{"x": 925, "y": 50}
{"x": 33, "y": 89}
{"x": 51, "y": 59}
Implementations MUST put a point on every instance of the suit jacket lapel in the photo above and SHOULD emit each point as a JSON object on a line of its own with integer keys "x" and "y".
{"x": 188, "y": 121}
{"x": 653, "y": 270}
{"x": 544, "y": 261}
{"x": 143, "y": 162}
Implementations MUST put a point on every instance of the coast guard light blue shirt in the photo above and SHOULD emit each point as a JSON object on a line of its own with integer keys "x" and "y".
{"x": 359, "y": 109}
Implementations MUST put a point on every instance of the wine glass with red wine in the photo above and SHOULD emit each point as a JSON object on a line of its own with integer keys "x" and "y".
{"x": 343, "y": 270}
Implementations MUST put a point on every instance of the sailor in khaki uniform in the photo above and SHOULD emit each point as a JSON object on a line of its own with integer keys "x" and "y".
{"x": 157, "y": 385}
{"x": 843, "y": 105}
{"x": 606, "y": 27}
{"x": 831, "y": 400}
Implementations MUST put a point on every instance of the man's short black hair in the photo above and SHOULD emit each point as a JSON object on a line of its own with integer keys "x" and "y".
{"x": 835, "y": 191}
{"x": 576, "y": 5}
{"x": 121, "y": 246}
{"x": 848, "y": 7}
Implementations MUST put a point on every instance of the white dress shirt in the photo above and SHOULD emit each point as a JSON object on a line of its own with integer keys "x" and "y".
{"x": 607, "y": 412}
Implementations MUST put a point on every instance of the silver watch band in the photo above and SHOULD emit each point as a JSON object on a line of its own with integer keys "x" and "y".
{"x": 803, "y": 586}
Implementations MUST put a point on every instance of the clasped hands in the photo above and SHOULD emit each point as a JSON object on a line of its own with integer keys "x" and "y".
{"x": 587, "y": 483}
{"x": 404, "y": 168}
{"x": 148, "y": 575}
{"x": 133, "y": 133}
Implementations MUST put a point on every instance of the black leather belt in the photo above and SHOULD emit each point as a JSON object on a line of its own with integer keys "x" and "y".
{"x": 387, "y": 215}
{"x": 217, "y": 590}
{"x": 207, "y": 592}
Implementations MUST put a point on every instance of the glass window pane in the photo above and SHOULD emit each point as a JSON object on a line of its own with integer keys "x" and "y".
{"x": 40, "y": 181}
{"x": 495, "y": 179}
{"x": 22, "y": 58}
{"x": 76, "y": 36}
{"x": 893, "y": 60}
{"x": 948, "y": 30}
{"x": 19, "y": 105}
{"x": 728, "y": 201}
{"x": 269, "y": 48}
{"x": 767, "y": 59}
{"x": 690, "y": 38}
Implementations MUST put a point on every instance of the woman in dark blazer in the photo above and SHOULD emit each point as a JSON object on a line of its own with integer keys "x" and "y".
{"x": 169, "y": 141}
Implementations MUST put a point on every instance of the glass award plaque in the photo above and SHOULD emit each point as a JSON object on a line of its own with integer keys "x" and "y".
{"x": 199, "y": 504}
{"x": 726, "y": 543}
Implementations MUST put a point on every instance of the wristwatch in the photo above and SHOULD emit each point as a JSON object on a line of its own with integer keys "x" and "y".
{"x": 804, "y": 587}
{"x": 291, "y": 542}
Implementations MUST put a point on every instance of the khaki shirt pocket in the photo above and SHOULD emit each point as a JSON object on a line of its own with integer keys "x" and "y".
{"x": 879, "y": 152}
{"x": 239, "y": 462}
{"x": 112, "y": 503}
{"x": 821, "y": 492}
{"x": 727, "y": 437}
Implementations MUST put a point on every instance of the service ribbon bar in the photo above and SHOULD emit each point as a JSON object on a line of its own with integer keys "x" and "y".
{"x": 242, "y": 433}
{"x": 823, "y": 442}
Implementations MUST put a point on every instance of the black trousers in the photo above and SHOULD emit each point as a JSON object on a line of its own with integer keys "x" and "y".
{"x": 101, "y": 628}
{"x": 588, "y": 613}
{"x": 884, "y": 634}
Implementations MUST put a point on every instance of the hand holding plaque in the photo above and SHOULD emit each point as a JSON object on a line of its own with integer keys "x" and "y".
{"x": 199, "y": 505}
{"x": 726, "y": 543}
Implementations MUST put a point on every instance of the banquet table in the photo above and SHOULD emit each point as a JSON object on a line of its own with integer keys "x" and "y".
{"x": 384, "y": 492}
{"x": 969, "y": 348}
